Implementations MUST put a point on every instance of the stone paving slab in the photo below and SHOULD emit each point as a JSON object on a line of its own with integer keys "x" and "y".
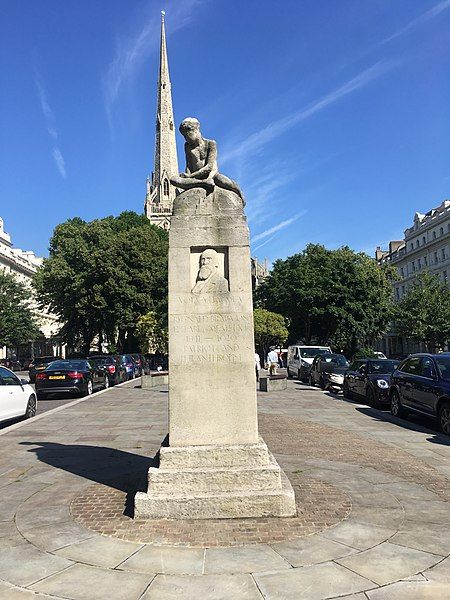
{"x": 393, "y": 477}
{"x": 388, "y": 562}
{"x": 82, "y": 582}
{"x": 166, "y": 560}
{"x": 211, "y": 587}
{"x": 316, "y": 582}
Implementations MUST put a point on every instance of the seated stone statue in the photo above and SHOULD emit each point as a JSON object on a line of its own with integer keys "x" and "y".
{"x": 201, "y": 162}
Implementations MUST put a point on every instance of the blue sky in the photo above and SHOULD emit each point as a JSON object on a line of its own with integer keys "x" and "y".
{"x": 332, "y": 115}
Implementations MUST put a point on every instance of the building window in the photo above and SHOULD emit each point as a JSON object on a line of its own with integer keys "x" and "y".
{"x": 412, "y": 246}
{"x": 436, "y": 257}
{"x": 413, "y": 266}
{"x": 419, "y": 263}
{"x": 444, "y": 276}
{"x": 397, "y": 291}
{"x": 443, "y": 253}
{"x": 425, "y": 260}
{"x": 402, "y": 272}
{"x": 424, "y": 240}
{"x": 417, "y": 243}
{"x": 166, "y": 187}
{"x": 441, "y": 231}
{"x": 403, "y": 290}
{"x": 434, "y": 235}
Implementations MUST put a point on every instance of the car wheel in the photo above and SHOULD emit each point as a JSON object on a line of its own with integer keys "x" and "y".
{"x": 346, "y": 392}
{"x": 396, "y": 406}
{"x": 289, "y": 374}
{"x": 444, "y": 417}
{"x": 90, "y": 388}
{"x": 311, "y": 381}
{"x": 31, "y": 407}
{"x": 106, "y": 386}
{"x": 322, "y": 383}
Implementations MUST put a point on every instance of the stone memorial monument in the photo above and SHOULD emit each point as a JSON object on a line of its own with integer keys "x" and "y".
{"x": 216, "y": 465}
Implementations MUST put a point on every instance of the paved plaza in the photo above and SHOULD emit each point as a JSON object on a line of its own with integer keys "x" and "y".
{"x": 372, "y": 494}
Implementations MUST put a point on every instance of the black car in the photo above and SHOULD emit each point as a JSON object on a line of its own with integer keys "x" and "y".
{"x": 327, "y": 370}
{"x": 75, "y": 376}
{"x": 115, "y": 370}
{"x": 421, "y": 384}
{"x": 39, "y": 364}
{"x": 368, "y": 379}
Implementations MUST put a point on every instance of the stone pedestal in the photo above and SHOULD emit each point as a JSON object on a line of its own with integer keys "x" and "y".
{"x": 216, "y": 466}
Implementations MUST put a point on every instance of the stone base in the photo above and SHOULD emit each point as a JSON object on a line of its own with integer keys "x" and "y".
{"x": 154, "y": 379}
{"x": 272, "y": 383}
{"x": 216, "y": 482}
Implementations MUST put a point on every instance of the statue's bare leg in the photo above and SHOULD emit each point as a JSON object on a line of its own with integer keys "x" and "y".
{"x": 187, "y": 183}
{"x": 226, "y": 183}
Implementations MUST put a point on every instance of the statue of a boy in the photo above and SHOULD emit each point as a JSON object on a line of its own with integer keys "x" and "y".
{"x": 201, "y": 162}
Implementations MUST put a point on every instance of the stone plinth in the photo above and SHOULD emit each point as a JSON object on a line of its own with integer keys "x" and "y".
{"x": 216, "y": 466}
{"x": 154, "y": 379}
{"x": 272, "y": 383}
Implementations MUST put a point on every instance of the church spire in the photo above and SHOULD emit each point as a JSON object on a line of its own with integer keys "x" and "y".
{"x": 160, "y": 194}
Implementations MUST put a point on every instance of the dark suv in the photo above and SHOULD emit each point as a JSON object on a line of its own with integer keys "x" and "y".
{"x": 421, "y": 384}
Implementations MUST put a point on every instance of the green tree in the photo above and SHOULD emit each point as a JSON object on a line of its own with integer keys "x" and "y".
{"x": 270, "y": 329}
{"x": 330, "y": 296}
{"x": 17, "y": 322}
{"x": 424, "y": 312}
{"x": 101, "y": 276}
{"x": 150, "y": 334}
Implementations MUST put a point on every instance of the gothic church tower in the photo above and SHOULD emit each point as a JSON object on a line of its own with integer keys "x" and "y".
{"x": 160, "y": 194}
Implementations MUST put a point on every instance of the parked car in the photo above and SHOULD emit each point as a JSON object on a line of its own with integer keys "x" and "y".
{"x": 421, "y": 384}
{"x": 128, "y": 362}
{"x": 71, "y": 376}
{"x": 115, "y": 370}
{"x": 17, "y": 397}
{"x": 369, "y": 378}
{"x": 327, "y": 370}
{"x": 11, "y": 363}
{"x": 26, "y": 362}
{"x": 139, "y": 362}
{"x": 300, "y": 358}
{"x": 380, "y": 355}
{"x": 39, "y": 364}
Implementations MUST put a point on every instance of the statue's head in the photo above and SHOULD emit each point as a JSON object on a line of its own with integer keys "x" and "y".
{"x": 190, "y": 129}
{"x": 209, "y": 263}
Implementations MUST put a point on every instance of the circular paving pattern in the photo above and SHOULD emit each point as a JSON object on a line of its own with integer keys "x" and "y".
{"x": 108, "y": 510}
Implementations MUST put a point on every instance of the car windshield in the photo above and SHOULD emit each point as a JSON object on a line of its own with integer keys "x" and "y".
{"x": 102, "y": 360}
{"x": 312, "y": 352}
{"x": 444, "y": 366}
{"x": 71, "y": 365}
{"x": 382, "y": 366}
{"x": 336, "y": 359}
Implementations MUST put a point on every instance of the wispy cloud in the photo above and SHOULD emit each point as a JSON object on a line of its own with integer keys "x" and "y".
{"x": 50, "y": 124}
{"x": 418, "y": 21}
{"x": 260, "y": 138}
{"x": 133, "y": 51}
{"x": 277, "y": 228}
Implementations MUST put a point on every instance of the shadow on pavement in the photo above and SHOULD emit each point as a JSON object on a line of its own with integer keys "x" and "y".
{"x": 413, "y": 423}
{"x": 108, "y": 466}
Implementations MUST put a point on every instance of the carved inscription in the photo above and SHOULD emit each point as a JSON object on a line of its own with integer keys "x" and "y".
{"x": 213, "y": 338}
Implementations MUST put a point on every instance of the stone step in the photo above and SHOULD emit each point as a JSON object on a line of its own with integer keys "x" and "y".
{"x": 232, "y": 455}
{"x": 163, "y": 481}
{"x": 210, "y": 505}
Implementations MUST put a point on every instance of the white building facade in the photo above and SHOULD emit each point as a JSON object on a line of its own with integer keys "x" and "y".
{"x": 23, "y": 264}
{"x": 426, "y": 246}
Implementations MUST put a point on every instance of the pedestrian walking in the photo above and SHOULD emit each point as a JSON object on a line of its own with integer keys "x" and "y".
{"x": 272, "y": 361}
{"x": 257, "y": 366}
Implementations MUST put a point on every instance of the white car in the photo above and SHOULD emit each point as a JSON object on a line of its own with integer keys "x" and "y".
{"x": 17, "y": 397}
{"x": 380, "y": 355}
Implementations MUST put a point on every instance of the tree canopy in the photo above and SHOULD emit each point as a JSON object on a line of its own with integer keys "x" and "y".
{"x": 424, "y": 312}
{"x": 151, "y": 335}
{"x": 270, "y": 329}
{"x": 101, "y": 276}
{"x": 330, "y": 296}
{"x": 17, "y": 322}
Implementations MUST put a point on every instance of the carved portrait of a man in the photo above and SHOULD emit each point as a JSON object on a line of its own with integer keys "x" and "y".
{"x": 209, "y": 279}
